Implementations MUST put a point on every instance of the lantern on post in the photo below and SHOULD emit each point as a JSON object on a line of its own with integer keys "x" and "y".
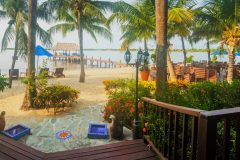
{"x": 136, "y": 117}
{"x": 127, "y": 56}
{"x": 145, "y": 57}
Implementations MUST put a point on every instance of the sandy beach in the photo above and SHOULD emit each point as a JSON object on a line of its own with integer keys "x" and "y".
{"x": 88, "y": 109}
{"x": 91, "y": 92}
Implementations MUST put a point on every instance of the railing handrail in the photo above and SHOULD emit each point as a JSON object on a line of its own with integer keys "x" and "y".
{"x": 223, "y": 113}
{"x": 176, "y": 108}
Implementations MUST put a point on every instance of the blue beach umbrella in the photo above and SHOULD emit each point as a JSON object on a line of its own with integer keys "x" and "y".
{"x": 40, "y": 51}
{"x": 217, "y": 52}
{"x": 237, "y": 54}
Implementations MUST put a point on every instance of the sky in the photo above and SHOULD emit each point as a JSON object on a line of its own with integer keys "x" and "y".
{"x": 90, "y": 43}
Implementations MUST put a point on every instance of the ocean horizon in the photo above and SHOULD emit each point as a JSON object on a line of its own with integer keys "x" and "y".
{"x": 114, "y": 55}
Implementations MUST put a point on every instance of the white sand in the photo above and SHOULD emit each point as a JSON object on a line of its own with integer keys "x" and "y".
{"x": 91, "y": 92}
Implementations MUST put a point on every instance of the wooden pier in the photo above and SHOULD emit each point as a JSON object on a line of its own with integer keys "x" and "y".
{"x": 92, "y": 62}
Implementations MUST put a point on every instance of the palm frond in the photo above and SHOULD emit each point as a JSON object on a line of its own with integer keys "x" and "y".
{"x": 63, "y": 27}
{"x": 8, "y": 36}
{"x": 180, "y": 15}
{"x": 44, "y": 36}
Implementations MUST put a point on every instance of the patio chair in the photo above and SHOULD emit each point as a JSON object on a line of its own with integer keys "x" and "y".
{"x": 200, "y": 74}
{"x": 15, "y": 73}
{"x": 179, "y": 72}
{"x": 213, "y": 75}
{"x": 58, "y": 73}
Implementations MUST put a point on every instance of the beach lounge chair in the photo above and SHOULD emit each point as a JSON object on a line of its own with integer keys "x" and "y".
{"x": 15, "y": 73}
{"x": 58, "y": 72}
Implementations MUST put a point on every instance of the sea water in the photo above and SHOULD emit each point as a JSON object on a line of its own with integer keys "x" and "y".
{"x": 21, "y": 63}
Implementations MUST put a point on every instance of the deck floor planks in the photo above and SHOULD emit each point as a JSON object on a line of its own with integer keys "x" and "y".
{"x": 5, "y": 157}
{"x": 92, "y": 149}
{"x": 89, "y": 153}
{"x": 133, "y": 156}
{"x": 132, "y": 149}
{"x": 111, "y": 154}
{"x": 20, "y": 151}
{"x": 12, "y": 153}
{"x": 17, "y": 146}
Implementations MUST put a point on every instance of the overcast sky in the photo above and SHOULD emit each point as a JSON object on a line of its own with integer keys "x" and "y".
{"x": 102, "y": 43}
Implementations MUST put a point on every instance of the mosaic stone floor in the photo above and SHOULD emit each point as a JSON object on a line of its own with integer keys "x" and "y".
{"x": 44, "y": 130}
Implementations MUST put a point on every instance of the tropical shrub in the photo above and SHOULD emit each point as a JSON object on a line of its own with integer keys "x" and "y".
{"x": 204, "y": 95}
{"x": 121, "y": 94}
{"x": 56, "y": 97}
{"x": 3, "y": 83}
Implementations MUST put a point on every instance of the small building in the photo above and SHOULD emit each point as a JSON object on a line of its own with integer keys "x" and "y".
{"x": 66, "y": 49}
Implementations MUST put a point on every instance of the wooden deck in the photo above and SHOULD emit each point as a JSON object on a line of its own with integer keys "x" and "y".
{"x": 125, "y": 150}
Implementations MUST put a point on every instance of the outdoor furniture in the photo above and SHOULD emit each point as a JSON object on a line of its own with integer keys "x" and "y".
{"x": 200, "y": 74}
{"x": 15, "y": 73}
{"x": 58, "y": 72}
{"x": 213, "y": 75}
{"x": 179, "y": 72}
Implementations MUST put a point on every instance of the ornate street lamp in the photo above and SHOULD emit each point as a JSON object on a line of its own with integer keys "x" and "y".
{"x": 146, "y": 57}
{"x": 127, "y": 56}
{"x": 136, "y": 118}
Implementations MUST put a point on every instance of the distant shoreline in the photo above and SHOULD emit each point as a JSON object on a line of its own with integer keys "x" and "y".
{"x": 173, "y": 50}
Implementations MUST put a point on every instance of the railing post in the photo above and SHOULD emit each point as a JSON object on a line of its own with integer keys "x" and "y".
{"x": 207, "y": 137}
{"x": 238, "y": 138}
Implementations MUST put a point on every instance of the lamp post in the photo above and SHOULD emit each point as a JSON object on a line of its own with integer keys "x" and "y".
{"x": 136, "y": 118}
{"x": 146, "y": 57}
{"x": 127, "y": 56}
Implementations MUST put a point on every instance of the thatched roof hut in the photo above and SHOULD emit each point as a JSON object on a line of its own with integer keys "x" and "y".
{"x": 66, "y": 47}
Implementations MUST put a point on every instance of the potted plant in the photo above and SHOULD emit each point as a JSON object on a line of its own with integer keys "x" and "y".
{"x": 144, "y": 71}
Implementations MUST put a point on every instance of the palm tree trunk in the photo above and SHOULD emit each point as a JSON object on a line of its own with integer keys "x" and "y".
{"x": 208, "y": 52}
{"x": 172, "y": 75}
{"x": 230, "y": 64}
{"x": 80, "y": 35}
{"x": 145, "y": 44}
{"x": 14, "y": 57}
{"x": 161, "y": 12}
{"x": 30, "y": 93}
{"x": 184, "y": 51}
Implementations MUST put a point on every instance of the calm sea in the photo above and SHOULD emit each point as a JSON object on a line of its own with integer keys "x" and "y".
{"x": 6, "y": 59}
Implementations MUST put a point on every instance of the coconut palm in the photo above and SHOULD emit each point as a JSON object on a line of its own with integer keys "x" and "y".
{"x": 231, "y": 38}
{"x": 16, "y": 11}
{"x": 223, "y": 14}
{"x": 161, "y": 13}
{"x": 31, "y": 92}
{"x": 137, "y": 21}
{"x": 203, "y": 28}
{"x": 34, "y": 30}
{"x": 81, "y": 15}
{"x": 180, "y": 20}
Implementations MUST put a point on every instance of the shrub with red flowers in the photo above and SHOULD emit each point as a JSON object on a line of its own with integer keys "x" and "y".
{"x": 121, "y": 99}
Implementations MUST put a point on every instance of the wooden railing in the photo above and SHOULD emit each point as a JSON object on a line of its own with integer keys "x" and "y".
{"x": 176, "y": 132}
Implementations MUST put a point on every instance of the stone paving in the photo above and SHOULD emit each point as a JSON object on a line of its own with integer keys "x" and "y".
{"x": 44, "y": 130}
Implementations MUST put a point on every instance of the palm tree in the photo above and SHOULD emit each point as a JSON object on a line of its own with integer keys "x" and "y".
{"x": 16, "y": 12}
{"x": 161, "y": 12}
{"x": 204, "y": 29}
{"x": 81, "y": 15}
{"x": 137, "y": 21}
{"x": 223, "y": 14}
{"x": 231, "y": 38}
{"x": 31, "y": 92}
{"x": 180, "y": 19}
